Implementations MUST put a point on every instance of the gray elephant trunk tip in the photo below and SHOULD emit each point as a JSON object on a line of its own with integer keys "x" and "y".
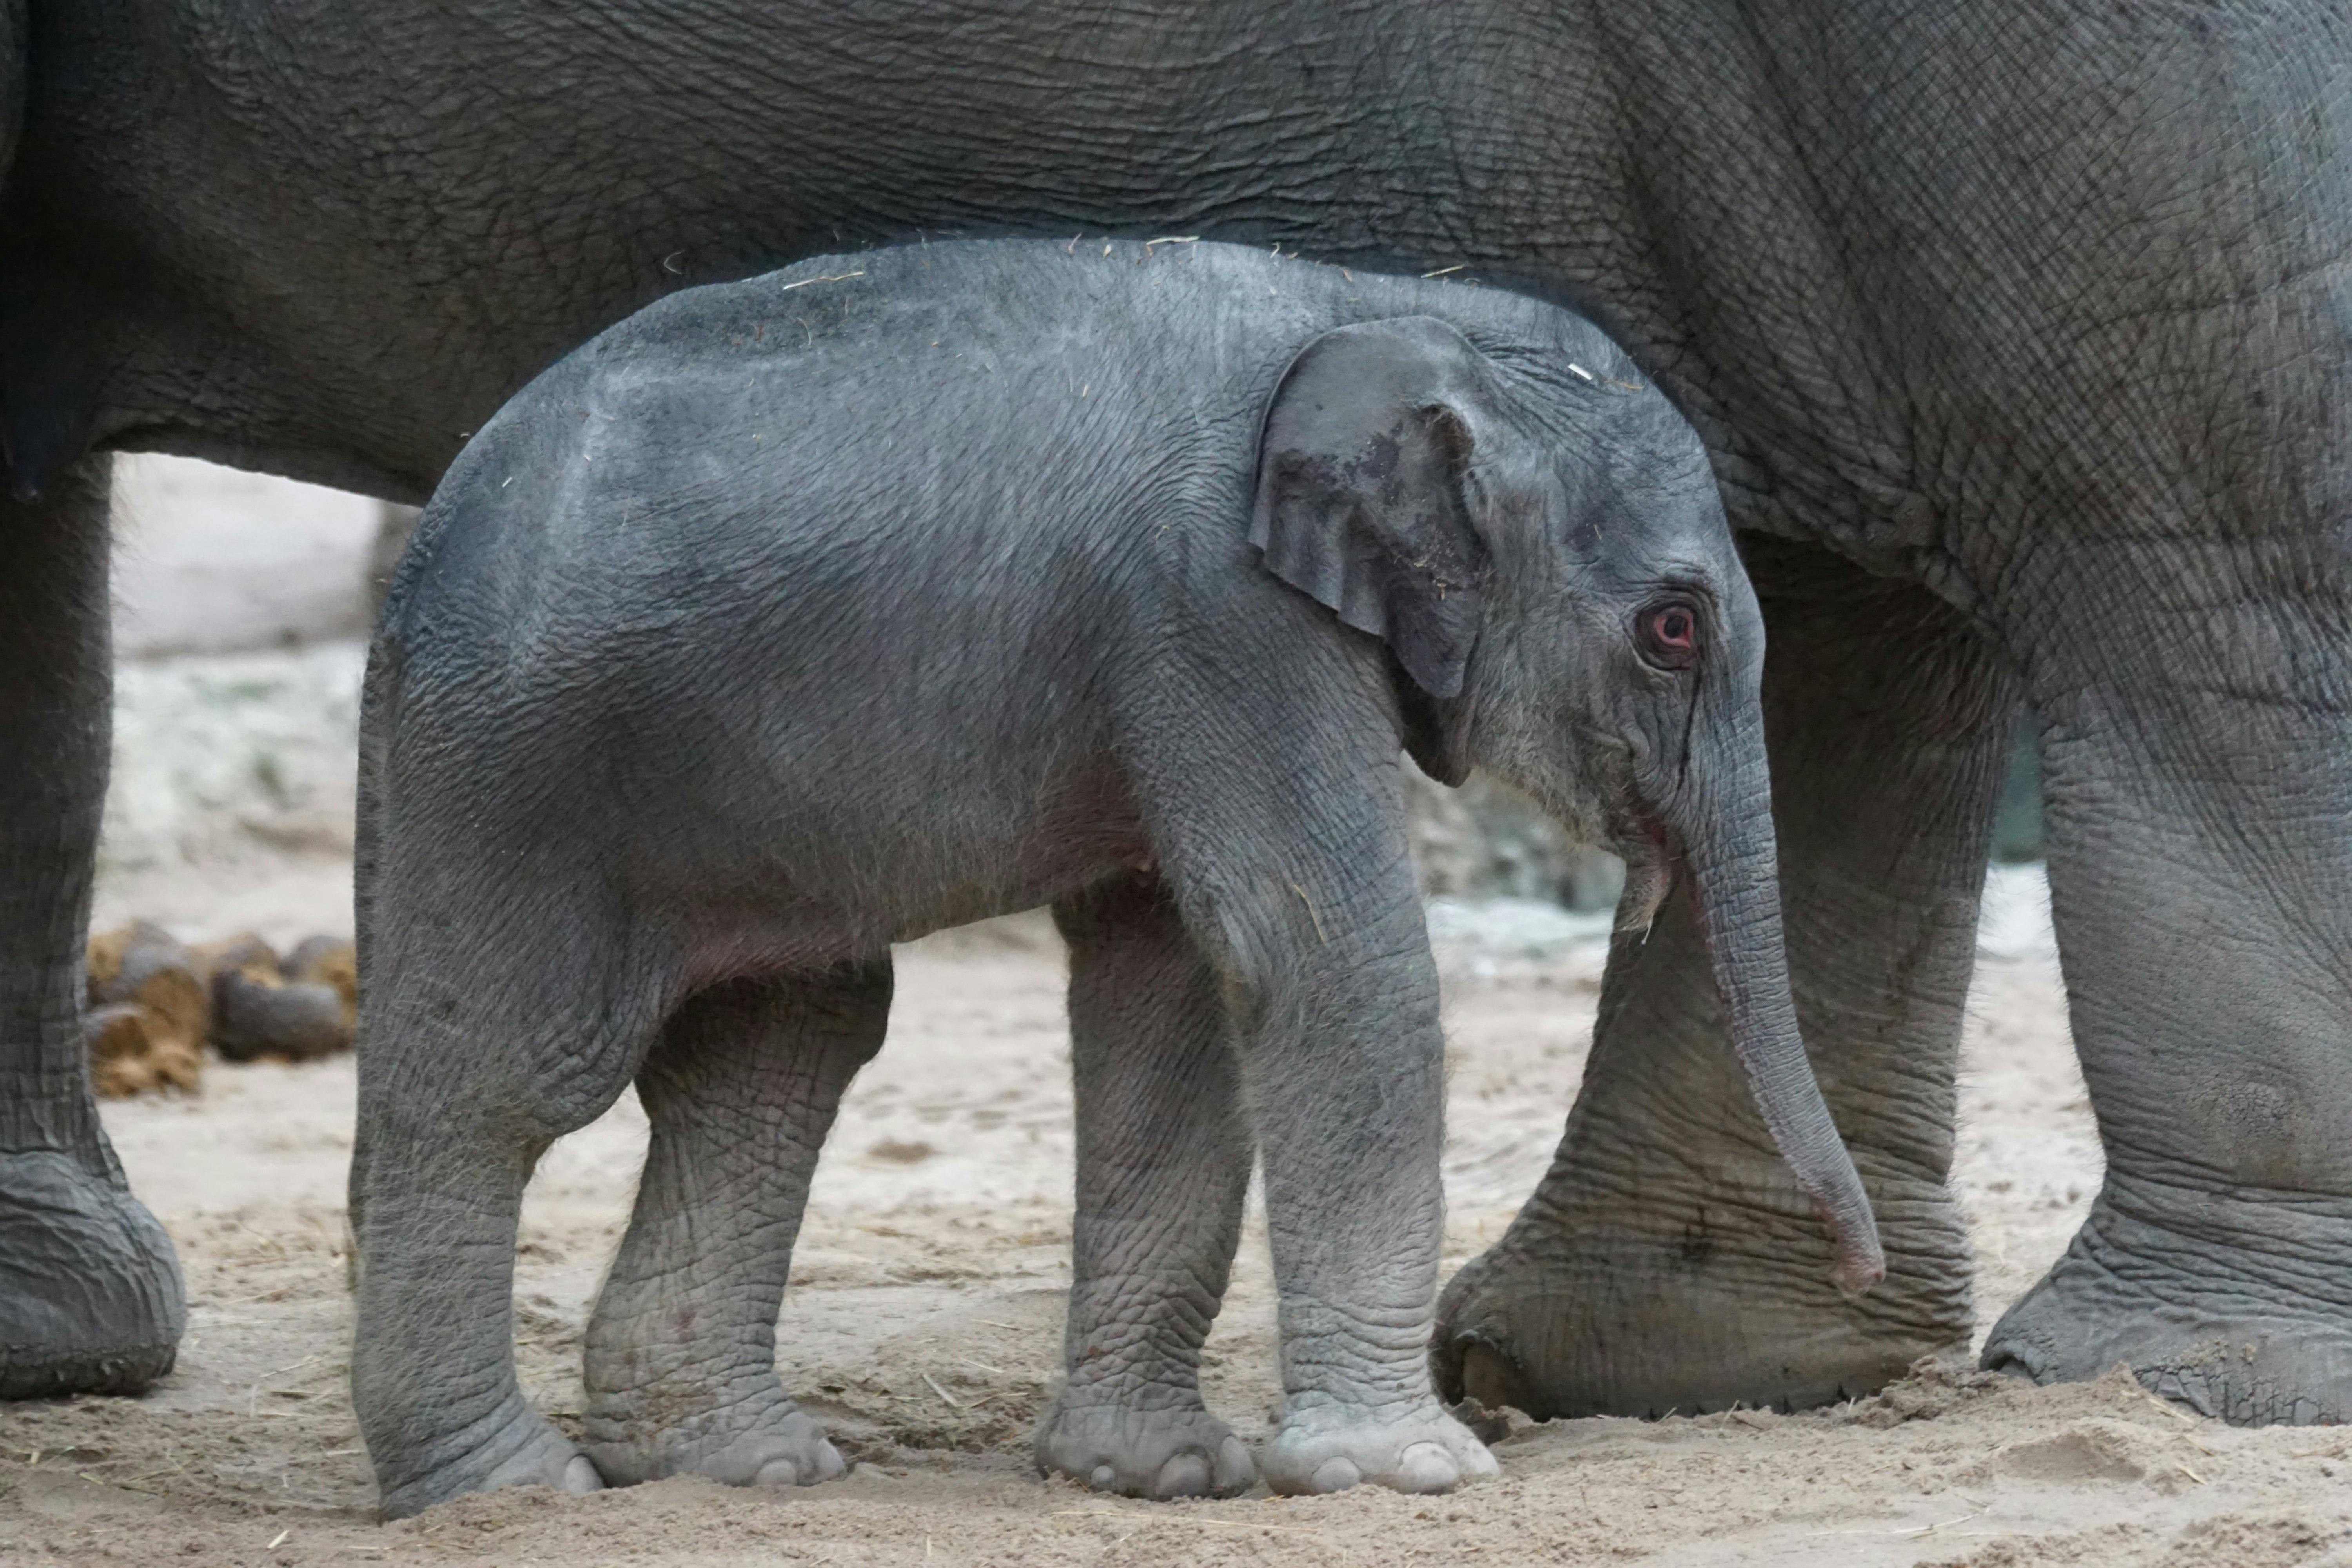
{"x": 1809, "y": 1140}
{"x": 1861, "y": 1259}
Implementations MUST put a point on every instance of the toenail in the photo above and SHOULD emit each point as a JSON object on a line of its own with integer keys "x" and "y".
{"x": 580, "y": 1476}
{"x": 1104, "y": 1479}
{"x": 777, "y": 1473}
{"x": 829, "y": 1462}
{"x": 1234, "y": 1467}
{"x": 1186, "y": 1474}
{"x": 1335, "y": 1475}
{"x": 1426, "y": 1467}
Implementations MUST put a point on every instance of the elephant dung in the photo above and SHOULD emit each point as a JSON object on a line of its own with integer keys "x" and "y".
{"x": 155, "y": 1003}
{"x": 260, "y": 1009}
{"x": 151, "y": 1011}
{"x": 334, "y": 963}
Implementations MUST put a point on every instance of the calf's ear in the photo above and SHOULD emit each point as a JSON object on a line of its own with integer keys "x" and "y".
{"x": 1364, "y": 500}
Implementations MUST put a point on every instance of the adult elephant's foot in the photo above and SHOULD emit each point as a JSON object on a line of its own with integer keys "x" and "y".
{"x": 1604, "y": 1299}
{"x": 765, "y": 1441}
{"x": 517, "y": 1448}
{"x": 2234, "y": 1309}
{"x": 1329, "y": 1447}
{"x": 90, "y": 1290}
{"x": 1176, "y": 1451}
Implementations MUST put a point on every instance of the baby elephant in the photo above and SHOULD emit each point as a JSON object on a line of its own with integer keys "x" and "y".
{"x": 800, "y": 616}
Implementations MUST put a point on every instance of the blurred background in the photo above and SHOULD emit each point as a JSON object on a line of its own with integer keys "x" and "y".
{"x": 241, "y": 609}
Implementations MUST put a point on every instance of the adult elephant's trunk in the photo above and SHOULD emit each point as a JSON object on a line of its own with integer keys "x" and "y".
{"x": 1729, "y": 847}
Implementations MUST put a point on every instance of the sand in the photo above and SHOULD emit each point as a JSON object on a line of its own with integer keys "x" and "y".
{"x": 924, "y": 1321}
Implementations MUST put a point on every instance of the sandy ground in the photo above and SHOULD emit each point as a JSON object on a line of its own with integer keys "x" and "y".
{"x": 924, "y": 1319}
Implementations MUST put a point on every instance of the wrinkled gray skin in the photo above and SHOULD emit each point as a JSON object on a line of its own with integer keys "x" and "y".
{"x": 2015, "y": 332}
{"x": 794, "y": 617}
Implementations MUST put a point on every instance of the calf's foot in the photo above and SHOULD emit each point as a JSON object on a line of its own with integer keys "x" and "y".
{"x": 2232, "y": 1308}
{"x": 90, "y": 1290}
{"x": 1418, "y": 1448}
{"x": 515, "y": 1446}
{"x": 1163, "y": 1165}
{"x": 764, "y": 1441}
{"x": 1174, "y": 1450}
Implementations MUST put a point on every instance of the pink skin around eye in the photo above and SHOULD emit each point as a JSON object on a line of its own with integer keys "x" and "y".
{"x": 1668, "y": 636}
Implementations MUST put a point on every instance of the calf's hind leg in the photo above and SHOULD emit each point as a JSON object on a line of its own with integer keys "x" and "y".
{"x": 467, "y": 1072}
{"x": 1163, "y": 1163}
{"x": 681, "y": 1355}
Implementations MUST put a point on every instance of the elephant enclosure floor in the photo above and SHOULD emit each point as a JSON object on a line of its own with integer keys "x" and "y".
{"x": 925, "y": 1316}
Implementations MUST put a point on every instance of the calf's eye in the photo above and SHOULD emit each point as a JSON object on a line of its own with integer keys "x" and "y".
{"x": 1667, "y": 634}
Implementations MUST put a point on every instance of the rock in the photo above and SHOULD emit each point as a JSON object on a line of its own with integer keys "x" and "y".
{"x": 227, "y": 761}
{"x": 162, "y": 982}
{"x": 1507, "y": 928}
{"x": 243, "y": 952}
{"x": 255, "y": 1018}
{"x": 219, "y": 559}
{"x": 105, "y": 958}
{"x": 157, "y": 1003}
{"x": 2017, "y": 827}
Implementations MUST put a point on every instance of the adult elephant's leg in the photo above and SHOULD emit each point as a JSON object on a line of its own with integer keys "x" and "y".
{"x": 89, "y": 1292}
{"x": 1163, "y": 1165}
{"x": 1668, "y": 1260}
{"x": 681, "y": 1352}
{"x": 2197, "y": 743}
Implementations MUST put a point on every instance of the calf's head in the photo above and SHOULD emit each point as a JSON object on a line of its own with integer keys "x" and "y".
{"x": 1536, "y": 536}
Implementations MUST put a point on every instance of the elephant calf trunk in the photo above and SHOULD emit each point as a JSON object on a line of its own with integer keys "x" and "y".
{"x": 1738, "y": 894}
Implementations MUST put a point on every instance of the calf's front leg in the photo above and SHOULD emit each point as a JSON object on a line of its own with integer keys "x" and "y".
{"x": 1164, "y": 1166}
{"x": 1316, "y": 927}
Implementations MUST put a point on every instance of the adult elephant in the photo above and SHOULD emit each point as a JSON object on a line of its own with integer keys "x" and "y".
{"x": 2018, "y": 336}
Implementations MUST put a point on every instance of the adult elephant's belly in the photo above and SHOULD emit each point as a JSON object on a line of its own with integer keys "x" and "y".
{"x": 337, "y": 270}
